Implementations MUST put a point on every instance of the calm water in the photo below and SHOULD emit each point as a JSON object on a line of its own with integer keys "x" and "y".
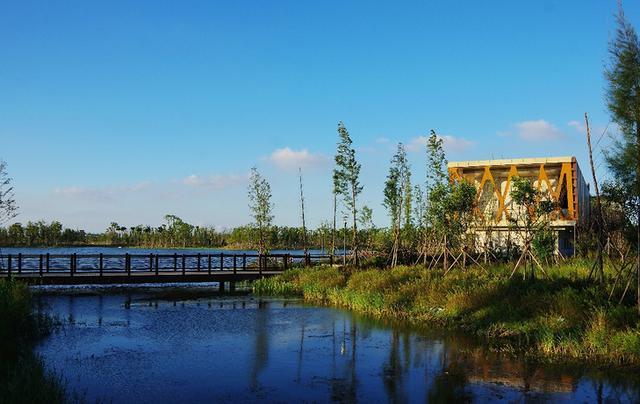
{"x": 188, "y": 345}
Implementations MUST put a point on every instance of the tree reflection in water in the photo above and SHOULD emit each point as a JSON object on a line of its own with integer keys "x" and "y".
{"x": 277, "y": 351}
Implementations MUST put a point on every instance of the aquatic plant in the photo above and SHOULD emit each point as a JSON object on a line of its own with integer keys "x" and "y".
{"x": 22, "y": 374}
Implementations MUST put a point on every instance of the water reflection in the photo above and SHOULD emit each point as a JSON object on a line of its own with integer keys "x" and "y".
{"x": 145, "y": 348}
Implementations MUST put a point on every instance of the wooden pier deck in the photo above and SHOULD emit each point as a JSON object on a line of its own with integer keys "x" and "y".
{"x": 88, "y": 269}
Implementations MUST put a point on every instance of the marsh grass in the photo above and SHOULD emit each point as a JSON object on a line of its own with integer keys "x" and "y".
{"x": 23, "y": 378}
{"x": 560, "y": 316}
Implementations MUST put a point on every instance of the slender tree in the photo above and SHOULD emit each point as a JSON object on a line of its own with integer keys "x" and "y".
{"x": 530, "y": 218}
{"x": 8, "y": 206}
{"x": 259, "y": 193}
{"x": 348, "y": 174}
{"x": 366, "y": 223}
{"x": 437, "y": 191}
{"x": 397, "y": 191}
{"x": 304, "y": 226}
{"x": 623, "y": 100}
{"x": 338, "y": 190}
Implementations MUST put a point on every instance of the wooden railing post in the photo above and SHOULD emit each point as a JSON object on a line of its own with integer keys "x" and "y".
{"x": 209, "y": 264}
{"x": 157, "y": 263}
{"x": 234, "y": 264}
{"x": 151, "y": 262}
{"x": 19, "y": 263}
{"x": 47, "y": 262}
{"x": 244, "y": 261}
{"x": 184, "y": 260}
{"x": 175, "y": 262}
{"x": 221, "y": 261}
{"x": 198, "y": 267}
{"x": 9, "y": 265}
{"x": 40, "y": 264}
{"x": 101, "y": 263}
{"x": 260, "y": 264}
{"x": 127, "y": 263}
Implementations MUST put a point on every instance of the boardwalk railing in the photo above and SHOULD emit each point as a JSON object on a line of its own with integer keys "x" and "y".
{"x": 136, "y": 265}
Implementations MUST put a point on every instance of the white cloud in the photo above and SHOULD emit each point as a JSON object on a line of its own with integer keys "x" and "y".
{"x": 215, "y": 181}
{"x": 382, "y": 139}
{"x": 537, "y": 130}
{"x": 288, "y": 159}
{"x": 577, "y": 126}
{"x": 450, "y": 143}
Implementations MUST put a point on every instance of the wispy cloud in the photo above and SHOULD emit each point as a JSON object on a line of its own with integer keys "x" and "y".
{"x": 149, "y": 190}
{"x": 537, "y": 130}
{"x": 289, "y": 159}
{"x": 220, "y": 181}
{"x": 450, "y": 143}
{"x": 103, "y": 194}
{"x": 580, "y": 127}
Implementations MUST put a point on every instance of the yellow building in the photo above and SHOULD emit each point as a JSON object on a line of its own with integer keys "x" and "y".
{"x": 559, "y": 178}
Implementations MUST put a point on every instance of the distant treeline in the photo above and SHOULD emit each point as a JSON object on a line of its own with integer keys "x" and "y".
{"x": 175, "y": 233}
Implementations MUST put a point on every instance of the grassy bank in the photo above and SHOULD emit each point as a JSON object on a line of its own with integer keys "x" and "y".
{"x": 560, "y": 317}
{"x": 22, "y": 375}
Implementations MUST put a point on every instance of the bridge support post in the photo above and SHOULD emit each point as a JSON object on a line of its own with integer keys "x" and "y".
{"x": 127, "y": 264}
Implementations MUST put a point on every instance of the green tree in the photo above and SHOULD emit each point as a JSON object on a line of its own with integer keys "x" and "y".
{"x": 8, "y": 206}
{"x": 347, "y": 174}
{"x": 365, "y": 218}
{"x": 259, "y": 193}
{"x": 623, "y": 101}
{"x": 397, "y": 198}
{"x": 530, "y": 218}
{"x": 450, "y": 203}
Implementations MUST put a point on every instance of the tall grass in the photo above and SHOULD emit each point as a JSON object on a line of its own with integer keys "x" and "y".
{"x": 563, "y": 315}
{"x": 23, "y": 378}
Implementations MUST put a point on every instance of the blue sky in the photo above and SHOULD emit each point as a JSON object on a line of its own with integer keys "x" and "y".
{"x": 125, "y": 111}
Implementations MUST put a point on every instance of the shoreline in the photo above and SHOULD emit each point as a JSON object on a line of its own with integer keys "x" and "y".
{"x": 569, "y": 324}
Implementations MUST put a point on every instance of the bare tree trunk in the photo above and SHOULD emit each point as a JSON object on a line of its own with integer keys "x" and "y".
{"x": 355, "y": 227}
{"x": 446, "y": 254}
{"x": 599, "y": 262}
{"x": 333, "y": 231}
{"x": 304, "y": 227}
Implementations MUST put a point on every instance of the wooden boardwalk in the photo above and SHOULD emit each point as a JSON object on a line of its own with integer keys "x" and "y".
{"x": 88, "y": 269}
